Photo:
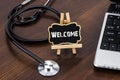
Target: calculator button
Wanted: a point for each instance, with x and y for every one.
(118, 34)
(108, 39)
(117, 28)
(116, 22)
(104, 45)
(110, 21)
(113, 47)
(111, 16)
(110, 33)
(110, 27)
(118, 17)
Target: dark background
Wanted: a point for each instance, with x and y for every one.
(14, 65)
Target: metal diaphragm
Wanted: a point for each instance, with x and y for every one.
(50, 68)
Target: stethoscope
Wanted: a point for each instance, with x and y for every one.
(45, 67)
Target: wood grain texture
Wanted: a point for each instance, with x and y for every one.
(14, 65)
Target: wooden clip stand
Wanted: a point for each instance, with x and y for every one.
(67, 45)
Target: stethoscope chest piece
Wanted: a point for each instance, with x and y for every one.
(50, 68)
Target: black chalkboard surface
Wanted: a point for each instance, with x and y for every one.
(64, 34)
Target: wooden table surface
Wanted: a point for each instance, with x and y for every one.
(15, 65)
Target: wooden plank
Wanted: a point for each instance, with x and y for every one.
(66, 46)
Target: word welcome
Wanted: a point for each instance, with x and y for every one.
(64, 34)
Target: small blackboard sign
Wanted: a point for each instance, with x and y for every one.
(64, 33)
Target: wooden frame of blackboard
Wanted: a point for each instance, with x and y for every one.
(61, 26)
